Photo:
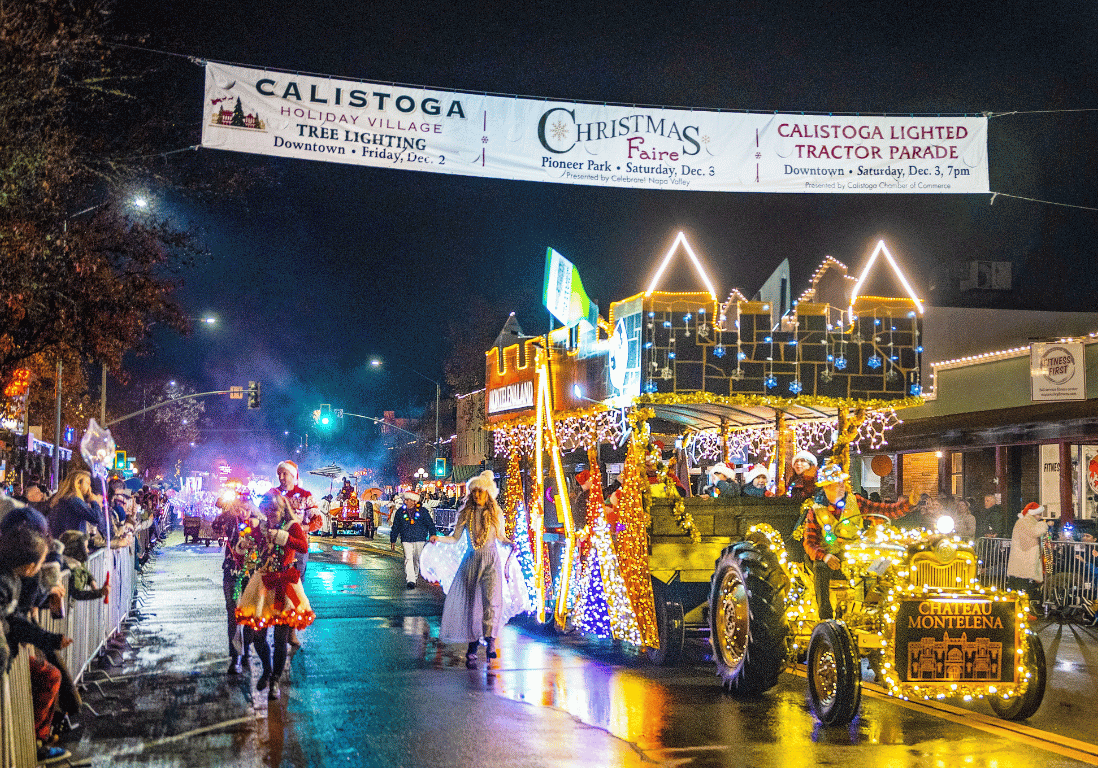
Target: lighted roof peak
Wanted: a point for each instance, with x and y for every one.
(680, 239)
(882, 248)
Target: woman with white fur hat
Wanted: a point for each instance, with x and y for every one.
(474, 602)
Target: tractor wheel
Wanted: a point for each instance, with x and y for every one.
(834, 674)
(747, 617)
(670, 625)
(1025, 705)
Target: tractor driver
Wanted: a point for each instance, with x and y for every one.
(833, 520)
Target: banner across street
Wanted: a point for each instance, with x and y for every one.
(503, 137)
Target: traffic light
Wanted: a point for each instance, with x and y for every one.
(325, 417)
(253, 394)
(440, 466)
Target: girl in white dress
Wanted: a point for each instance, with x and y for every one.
(474, 602)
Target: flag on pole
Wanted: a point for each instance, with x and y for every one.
(565, 297)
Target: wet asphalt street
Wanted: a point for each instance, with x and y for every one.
(371, 686)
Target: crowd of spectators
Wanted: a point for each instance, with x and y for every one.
(45, 544)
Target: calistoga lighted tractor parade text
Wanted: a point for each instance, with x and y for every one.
(682, 380)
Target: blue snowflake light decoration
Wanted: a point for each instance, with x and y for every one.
(874, 362)
(718, 351)
(650, 387)
(771, 381)
(916, 389)
(795, 386)
(840, 363)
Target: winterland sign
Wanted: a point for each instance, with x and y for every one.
(388, 126)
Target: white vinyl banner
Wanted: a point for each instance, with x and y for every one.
(502, 137)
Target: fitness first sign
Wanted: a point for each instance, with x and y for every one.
(1057, 371)
(382, 125)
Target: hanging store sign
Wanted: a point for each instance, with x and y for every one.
(382, 125)
(511, 397)
(1057, 371)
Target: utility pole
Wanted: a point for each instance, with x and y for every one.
(57, 433)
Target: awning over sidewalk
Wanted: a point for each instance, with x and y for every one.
(465, 472)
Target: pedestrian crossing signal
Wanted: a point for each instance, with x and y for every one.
(253, 394)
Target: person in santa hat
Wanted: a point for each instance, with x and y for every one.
(303, 505)
(722, 481)
(414, 526)
(755, 481)
(1025, 569)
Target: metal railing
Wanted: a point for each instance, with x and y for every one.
(1071, 589)
(90, 624)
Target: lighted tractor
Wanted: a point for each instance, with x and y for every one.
(909, 602)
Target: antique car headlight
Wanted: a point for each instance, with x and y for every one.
(944, 524)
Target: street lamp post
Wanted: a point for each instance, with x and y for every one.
(377, 363)
(301, 441)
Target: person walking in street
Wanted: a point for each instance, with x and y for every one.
(1025, 569)
(274, 597)
(414, 526)
(306, 509)
(236, 569)
(474, 602)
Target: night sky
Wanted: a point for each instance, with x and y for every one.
(327, 265)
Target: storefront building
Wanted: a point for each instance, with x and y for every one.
(1021, 423)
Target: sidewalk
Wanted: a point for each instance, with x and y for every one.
(171, 684)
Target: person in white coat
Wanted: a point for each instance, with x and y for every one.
(1025, 569)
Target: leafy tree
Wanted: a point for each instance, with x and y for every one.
(78, 270)
(160, 436)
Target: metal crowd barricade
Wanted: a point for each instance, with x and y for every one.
(993, 555)
(445, 519)
(90, 624)
(1070, 590)
(17, 740)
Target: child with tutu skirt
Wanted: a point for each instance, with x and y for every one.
(274, 596)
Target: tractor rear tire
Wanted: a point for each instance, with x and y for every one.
(671, 626)
(747, 622)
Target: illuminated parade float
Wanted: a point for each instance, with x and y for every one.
(672, 383)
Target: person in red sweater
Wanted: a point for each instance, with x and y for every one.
(274, 597)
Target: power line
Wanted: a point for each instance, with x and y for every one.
(1037, 200)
